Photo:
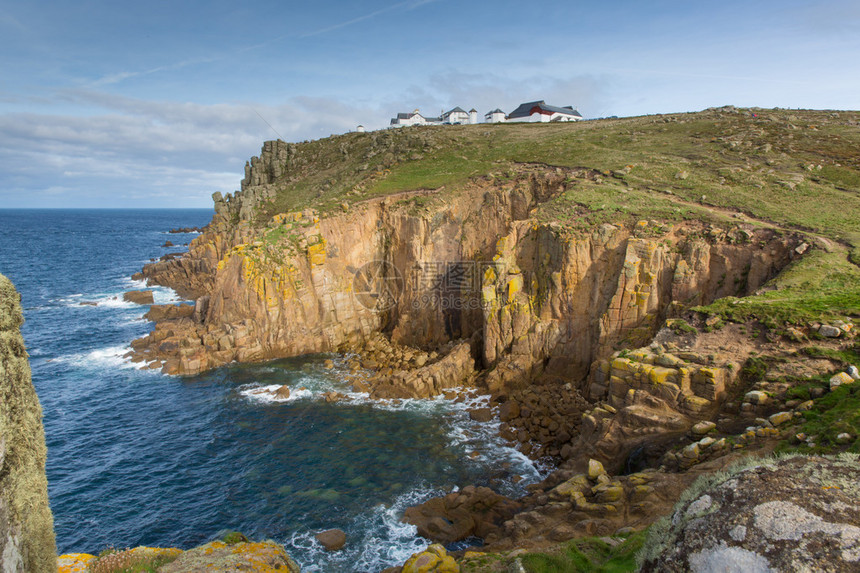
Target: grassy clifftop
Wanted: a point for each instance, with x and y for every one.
(797, 168)
(788, 169)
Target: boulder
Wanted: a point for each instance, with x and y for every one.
(509, 410)
(138, 296)
(332, 539)
(473, 511)
(703, 428)
(434, 559)
(756, 397)
(828, 331)
(793, 514)
(481, 414)
(780, 418)
(283, 393)
(840, 379)
(595, 469)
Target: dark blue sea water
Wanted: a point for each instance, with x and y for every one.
(139, 458)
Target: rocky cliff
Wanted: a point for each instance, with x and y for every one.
(26, 525)
(580, 275)
(544, 300)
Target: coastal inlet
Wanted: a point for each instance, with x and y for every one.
(139, 458)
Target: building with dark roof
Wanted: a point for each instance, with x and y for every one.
(539, 111)
(495, 116)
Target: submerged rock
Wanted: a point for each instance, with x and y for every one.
(332, 539)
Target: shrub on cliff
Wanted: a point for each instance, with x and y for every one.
(137, 560)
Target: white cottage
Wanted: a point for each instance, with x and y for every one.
(456, 116)
(407, 119)
(539, 111)
(414, 118)
(495, 116)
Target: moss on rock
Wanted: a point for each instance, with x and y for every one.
(26, 524)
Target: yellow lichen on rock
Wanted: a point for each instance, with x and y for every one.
(317, 253)
(220, 557)
(73, 562)
(434, 559)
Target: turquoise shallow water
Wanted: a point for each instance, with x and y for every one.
(135, 457)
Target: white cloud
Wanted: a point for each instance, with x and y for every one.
(133, 148)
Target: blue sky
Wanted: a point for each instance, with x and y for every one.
(158, 104)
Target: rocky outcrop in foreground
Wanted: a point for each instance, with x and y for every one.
(795, 514)
(214, 557)
(26, 524)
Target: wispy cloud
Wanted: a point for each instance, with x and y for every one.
(136, 147)
(9, 21)
(120, 76)
(408, 5)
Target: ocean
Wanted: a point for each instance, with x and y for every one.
(139, 458)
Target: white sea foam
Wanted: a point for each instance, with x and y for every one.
(384, 541)
(102, 357)
(160, 294)
(165, 295)
(110, 300)
(114, 301)
(136, 284)
(267, 393)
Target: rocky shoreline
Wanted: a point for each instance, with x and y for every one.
(541, 343)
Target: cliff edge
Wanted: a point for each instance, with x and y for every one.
(26, 524)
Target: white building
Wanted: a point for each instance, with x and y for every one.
(407, 119)
(495, 116)
(539, 111)
(456, 116)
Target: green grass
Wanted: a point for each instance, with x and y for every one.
(834, 413)
(844, 357)
(234, 537)
(820, 286)
(656, 149)
(587, 555)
